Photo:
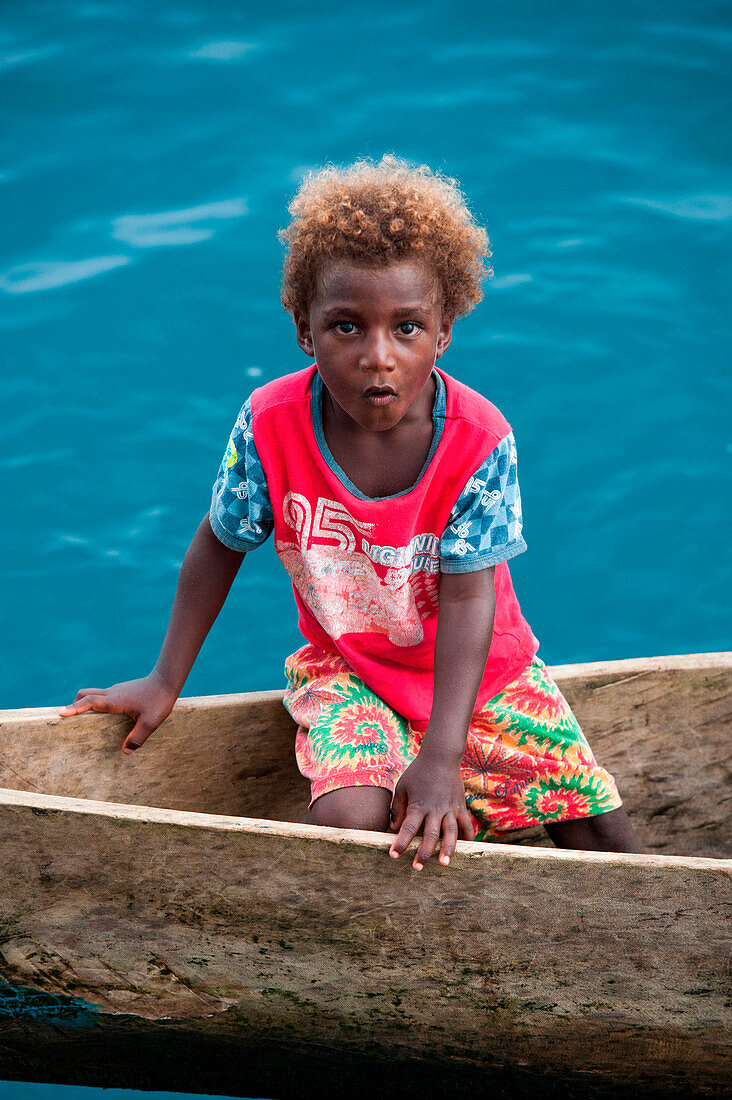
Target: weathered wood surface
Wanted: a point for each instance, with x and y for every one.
(163, 948)
(230, 754)
(661, 725)
(283, 939)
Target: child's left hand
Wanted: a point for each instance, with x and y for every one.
(429, 791)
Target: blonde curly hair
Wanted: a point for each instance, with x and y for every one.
(379, 212)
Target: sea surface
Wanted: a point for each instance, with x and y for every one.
(147, 155)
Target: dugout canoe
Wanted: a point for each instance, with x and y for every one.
(166, 922)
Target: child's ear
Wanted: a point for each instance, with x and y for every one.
(304, 333)
(444, 337)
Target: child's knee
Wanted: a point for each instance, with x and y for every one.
(353, 808)
(608, 832)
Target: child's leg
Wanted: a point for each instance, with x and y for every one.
(349, 743)
(610, 832)
(527, 763)
(352, 808)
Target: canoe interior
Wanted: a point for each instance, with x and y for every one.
(661, 726)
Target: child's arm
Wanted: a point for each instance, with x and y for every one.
(431, 789)
(206, 575)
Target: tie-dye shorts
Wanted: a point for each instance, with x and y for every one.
(526, 759)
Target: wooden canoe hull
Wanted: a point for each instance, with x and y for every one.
(165, 948)
(513, 957)
(660, 725)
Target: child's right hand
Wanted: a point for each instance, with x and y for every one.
(148, 701)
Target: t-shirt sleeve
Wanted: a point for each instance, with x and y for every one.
(241, 512)
(484, 527)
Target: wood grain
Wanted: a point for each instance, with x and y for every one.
(165, 922)
(660, 725)
(615, 963)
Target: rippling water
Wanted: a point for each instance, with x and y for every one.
(148, 154)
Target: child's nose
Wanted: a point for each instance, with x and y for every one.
(378, 354)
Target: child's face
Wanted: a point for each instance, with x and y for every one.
(375, 326)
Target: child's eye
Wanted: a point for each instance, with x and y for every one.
(346, 327)
(412, 326)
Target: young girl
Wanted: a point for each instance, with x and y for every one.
(392, 492)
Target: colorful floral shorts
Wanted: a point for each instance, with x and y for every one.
(526, 759)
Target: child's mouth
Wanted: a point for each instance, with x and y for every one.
(379, 399)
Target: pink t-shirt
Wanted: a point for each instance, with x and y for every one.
(366, 572)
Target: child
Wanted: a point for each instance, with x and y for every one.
(392, 492)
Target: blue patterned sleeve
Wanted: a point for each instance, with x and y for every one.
(241, 512)
(484, 527)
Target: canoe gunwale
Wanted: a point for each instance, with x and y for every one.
(325, 835)
(624, 668)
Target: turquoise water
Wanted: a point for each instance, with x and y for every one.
(15, 1090)
(148, 154)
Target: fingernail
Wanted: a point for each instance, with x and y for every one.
(394, 855)
(445, 860)
(417, 866)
